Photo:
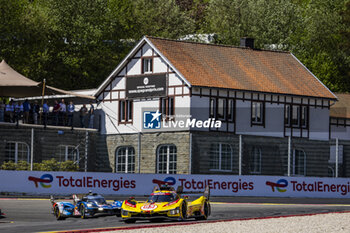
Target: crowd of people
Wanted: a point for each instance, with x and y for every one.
(62, 114)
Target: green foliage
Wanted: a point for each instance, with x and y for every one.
(47, 165)
(50, 165)
(162, 18)
(9, 165)
(22, 165)
(76, 44)
(69, 166)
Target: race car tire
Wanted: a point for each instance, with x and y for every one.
(206, 212)
(183, 211)
(58, 214)
(130, 220)
(82, 211)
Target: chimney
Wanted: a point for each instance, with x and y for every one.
(247, 42)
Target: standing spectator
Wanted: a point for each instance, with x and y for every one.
(2, 110)
(83, 113)
(56, 111)
(46, 110)
(63, 112)
(18, 111)
(36, 109)
(70, 110)
(10, 111)
(26, 109)
(91, 115)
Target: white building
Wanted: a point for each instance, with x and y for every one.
(260, 94)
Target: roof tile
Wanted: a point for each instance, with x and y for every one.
(241, 68)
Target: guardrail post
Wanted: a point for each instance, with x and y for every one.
(32, 150)
(289, 153)
(190, 156)
(240, 155)
(336, 157)
(86, 150)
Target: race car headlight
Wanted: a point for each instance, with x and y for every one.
(89, 205)
(100, 209)
(174, 211)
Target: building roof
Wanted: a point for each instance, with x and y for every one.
(239, 68)
(341, 109)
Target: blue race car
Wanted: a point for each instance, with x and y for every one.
(85, 206)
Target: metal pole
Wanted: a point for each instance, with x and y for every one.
(190, 156)
(336, 156)
(240, 155)
(86, 150)
(32, 150)
(289, 153)
(139, 152)
(42, 100)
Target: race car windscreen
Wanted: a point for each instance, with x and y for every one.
(98, 201)
(162, 198)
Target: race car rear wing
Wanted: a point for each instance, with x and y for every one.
(206, 192)
(75, 197)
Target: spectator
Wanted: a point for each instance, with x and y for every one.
(18, 111)
(91, 115)
(56, 111)
(36, 109)
(10, 111)
(46, 110)
(83, 113)
(2, 110)
(63, 112)
(26, 109)
(70, 110)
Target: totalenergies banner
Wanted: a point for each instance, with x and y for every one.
(41, 182)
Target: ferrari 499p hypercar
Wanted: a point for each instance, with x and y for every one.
(166, 203)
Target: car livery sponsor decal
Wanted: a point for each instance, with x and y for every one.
(148, 207)
(43, 180)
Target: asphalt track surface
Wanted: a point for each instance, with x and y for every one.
(34, 215)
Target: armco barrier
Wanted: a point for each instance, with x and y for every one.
(41, 182)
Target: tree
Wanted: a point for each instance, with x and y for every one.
(269, 22)
(318, 44)
(162, 18)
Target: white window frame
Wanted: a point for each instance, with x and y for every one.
(147, 65)
(127, 155)
(255, 160)
(125, 111)
(219, 157)
(66, 152)
(257, 109)
(295, 166)
(16, 150)
(168, 171)
(298, 113)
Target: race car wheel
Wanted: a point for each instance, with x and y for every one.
(58, 214)
(82, 211)
(130, 220)
(183, 211)
(206, 212)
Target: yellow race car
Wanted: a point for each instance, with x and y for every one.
(166, 203)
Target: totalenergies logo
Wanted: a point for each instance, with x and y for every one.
(168, 181)
(279, 185)
(43, 180)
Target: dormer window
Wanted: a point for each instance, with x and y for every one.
(147, 65)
